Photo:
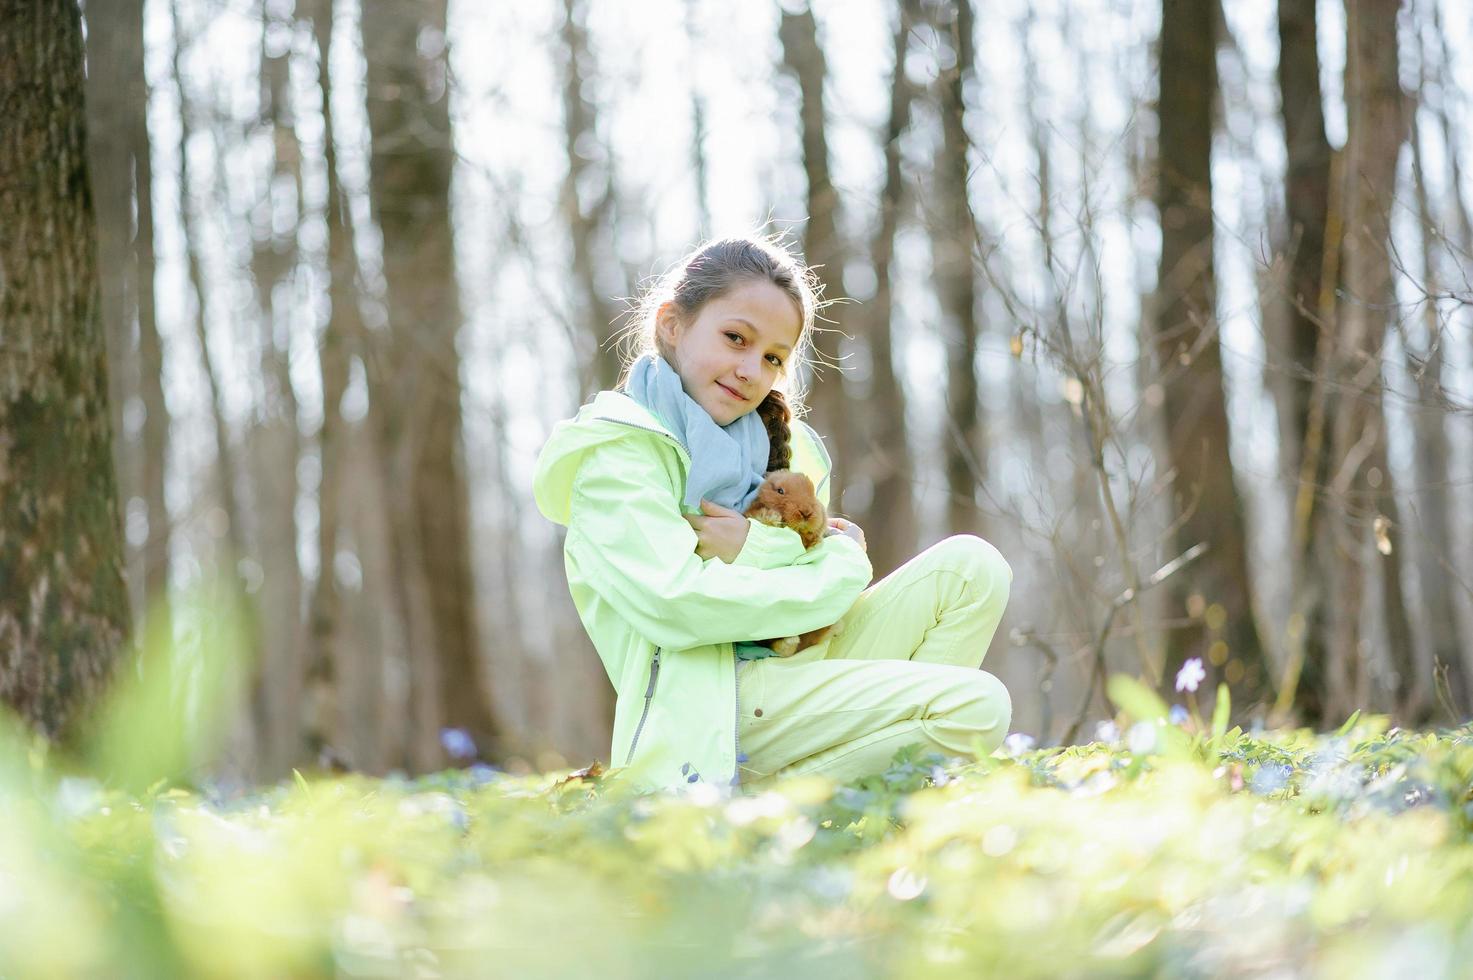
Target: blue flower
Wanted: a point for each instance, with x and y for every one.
(483, 774)
(1178, 715)
(458, 743)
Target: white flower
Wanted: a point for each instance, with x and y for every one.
(1017, 743)
(1141, 738)
(1190, 675)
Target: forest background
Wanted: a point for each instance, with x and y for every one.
(1117, 281)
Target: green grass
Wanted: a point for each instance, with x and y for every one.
(1199, 853)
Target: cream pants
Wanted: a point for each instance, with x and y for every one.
(903, 671)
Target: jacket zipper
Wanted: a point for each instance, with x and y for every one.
(736, 724)
(649, 694)
(645, 428)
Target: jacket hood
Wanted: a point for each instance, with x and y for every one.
(612, 415)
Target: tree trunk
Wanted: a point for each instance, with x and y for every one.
(889, 520)
(275, 443)
(698, 128)
(952, 242)
(803, 58)
(63, 604)
(1434, 503)
(1311, 308)
(420, 413)
(1215, 591)
(322, 720)
(586, 223)
(226, 466)
(1361, 513)
(122, 184)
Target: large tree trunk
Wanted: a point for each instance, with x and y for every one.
(803, 58)
(420, 407)
(122, 177)
(889, 519)
(63, 605)
(1311, 308)
(1215, 592)
(952, 240)
(1362, 516)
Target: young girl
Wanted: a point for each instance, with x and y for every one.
(669, 578)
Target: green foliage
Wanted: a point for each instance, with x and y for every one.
(1167, 849)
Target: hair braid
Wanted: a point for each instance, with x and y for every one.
(776, 416)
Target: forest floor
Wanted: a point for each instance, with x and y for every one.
(1165, 847)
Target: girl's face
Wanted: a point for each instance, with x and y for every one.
(735, 349)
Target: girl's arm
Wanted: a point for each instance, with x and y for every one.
(637, 552)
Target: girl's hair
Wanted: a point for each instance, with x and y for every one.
(708, 272)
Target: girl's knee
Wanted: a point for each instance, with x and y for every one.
(981, 709)
(979, 561)
(995, 706)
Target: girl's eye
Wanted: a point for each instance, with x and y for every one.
(735, 338)
(774, 360)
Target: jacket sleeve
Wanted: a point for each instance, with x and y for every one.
(769, 547)
(634, 549)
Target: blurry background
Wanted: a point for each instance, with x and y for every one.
(1116, 283)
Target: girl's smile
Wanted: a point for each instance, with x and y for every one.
(735, 350)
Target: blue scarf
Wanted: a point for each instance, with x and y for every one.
(726, 462)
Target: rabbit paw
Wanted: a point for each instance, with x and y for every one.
(785, 647)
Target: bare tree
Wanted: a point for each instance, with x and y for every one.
(122, 184)
(885, 459)
(275, 444)
(823, 250)
(327, 668)
(1361, 509)
(698, 133)
(64, 608)
(587, 222)
(418, 406)
(225, 492)
(1216, 595)
(1432, 506)
(1312, 274)
(953, 235)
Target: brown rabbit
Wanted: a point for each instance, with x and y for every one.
(788, 499)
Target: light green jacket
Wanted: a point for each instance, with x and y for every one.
(662, 619)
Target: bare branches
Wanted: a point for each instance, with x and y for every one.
(1126, 598)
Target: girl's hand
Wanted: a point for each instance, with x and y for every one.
(720, 531)
(849, 529)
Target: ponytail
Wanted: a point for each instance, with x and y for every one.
(775, 416)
